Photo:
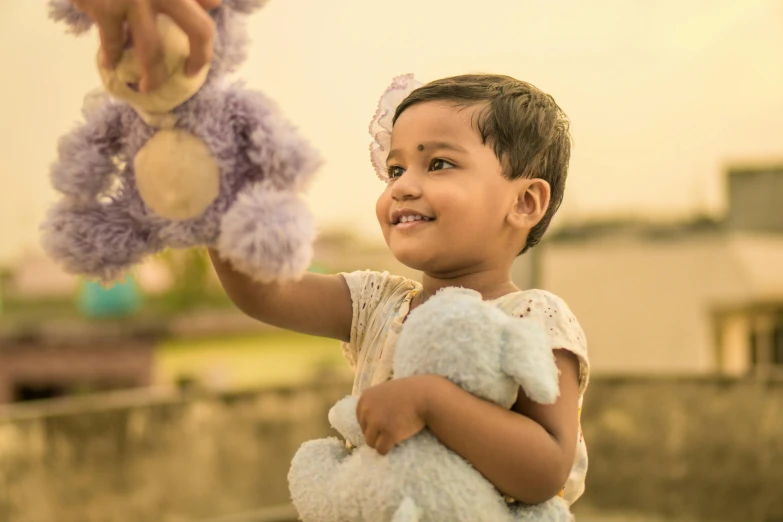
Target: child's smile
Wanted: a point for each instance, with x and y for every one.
(407, 218)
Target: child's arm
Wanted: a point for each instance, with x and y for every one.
(527, 453)
(316, 305)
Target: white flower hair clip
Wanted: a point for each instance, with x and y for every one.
(381, 124)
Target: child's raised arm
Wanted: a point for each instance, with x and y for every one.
(316, 304)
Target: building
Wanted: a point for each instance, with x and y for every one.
(695, 297)
(58, 359)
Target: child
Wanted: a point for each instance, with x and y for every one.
(476, 169)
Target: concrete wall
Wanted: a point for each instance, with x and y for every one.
(708, 449)
(129, 457)
(704, 448)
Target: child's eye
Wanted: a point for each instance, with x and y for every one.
(440, 164)
(394, 172)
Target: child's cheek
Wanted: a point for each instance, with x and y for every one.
(383, 211)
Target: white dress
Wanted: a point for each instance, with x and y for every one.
(381, 302)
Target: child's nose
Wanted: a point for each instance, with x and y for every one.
(407, 186)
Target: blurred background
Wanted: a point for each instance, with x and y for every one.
(157, 400)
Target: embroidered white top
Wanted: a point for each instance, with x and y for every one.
(382, 301)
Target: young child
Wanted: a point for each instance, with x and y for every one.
(476, 169)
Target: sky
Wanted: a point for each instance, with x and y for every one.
(662, 96)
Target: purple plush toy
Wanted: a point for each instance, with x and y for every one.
(193, 163)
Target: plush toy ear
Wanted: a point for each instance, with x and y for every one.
(528, 359)
(63, 11)
(244, 6)
(342, 417)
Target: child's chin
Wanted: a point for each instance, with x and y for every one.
(412, 258)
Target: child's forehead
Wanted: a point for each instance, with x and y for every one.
(436, 120)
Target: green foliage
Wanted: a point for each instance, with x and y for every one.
(191, 281)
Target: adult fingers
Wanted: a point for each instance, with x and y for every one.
(146, 40)
(197, 24)
(111, 30)
(209, 4)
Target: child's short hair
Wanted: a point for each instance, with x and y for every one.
(526, 128)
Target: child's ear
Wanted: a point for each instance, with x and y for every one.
(64, 11)
(531, 203)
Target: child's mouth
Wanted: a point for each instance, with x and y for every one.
(406, 224)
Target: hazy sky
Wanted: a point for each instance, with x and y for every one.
(662, 95)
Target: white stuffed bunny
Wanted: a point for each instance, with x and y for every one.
(481, 349)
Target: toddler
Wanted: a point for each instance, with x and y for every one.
(474, 168)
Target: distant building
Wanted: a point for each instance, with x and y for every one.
(39, 277)
(53, 360)
(756, 199)
(695, 297)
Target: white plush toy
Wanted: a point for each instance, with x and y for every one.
(481, 349)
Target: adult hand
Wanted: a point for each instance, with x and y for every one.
(120, 20)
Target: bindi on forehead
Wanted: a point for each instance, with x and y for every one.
(438, 145)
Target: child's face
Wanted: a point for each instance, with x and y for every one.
(440, 170)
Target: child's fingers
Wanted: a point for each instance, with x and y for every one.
(371, 437)
(383, 444)
(146, 40)
(197, 24)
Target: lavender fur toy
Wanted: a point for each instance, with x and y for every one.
(194, 163)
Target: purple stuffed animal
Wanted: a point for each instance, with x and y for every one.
(194, 163)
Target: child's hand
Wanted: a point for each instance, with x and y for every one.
(111, 17)
(394, 411)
